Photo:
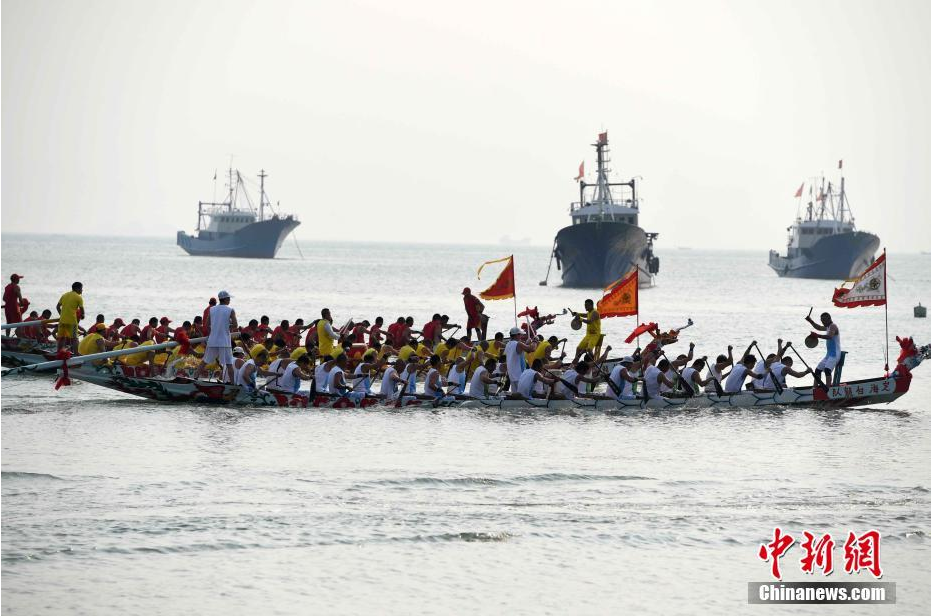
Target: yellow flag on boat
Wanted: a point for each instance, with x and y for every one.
(621, 297)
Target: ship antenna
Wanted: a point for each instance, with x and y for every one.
(230, 203)
(262, 176)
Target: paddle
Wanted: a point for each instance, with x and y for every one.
(689, 390)
(818, 380)
(29, 323)
(769, 370)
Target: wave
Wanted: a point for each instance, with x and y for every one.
(8, 475)
(491, 481)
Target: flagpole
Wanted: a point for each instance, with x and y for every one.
(886, 305)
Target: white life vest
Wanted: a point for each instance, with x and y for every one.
(362, 383)
(514, 360)
(476, 385)
(455, 377)
(331, 380)
(735, 380)
(760, 368)
(432, 390)
(241, 379)
(219, 326)
(572, 377)
(688, 375)
(777, 369)
(716, 376)
(526, 383)
(288, 381)
(388, 385)
(322, 378)
(650, 376)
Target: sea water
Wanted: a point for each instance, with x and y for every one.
(117, 505)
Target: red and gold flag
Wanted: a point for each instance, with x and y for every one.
(868, 289)
(503, 287)
(621, 297)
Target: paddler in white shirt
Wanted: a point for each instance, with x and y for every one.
(391, 379)
(336, 380)
(482, 379)
(292, 375)
(514, 357)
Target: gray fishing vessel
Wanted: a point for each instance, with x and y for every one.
(604, 241)
(825, 243)
(229, 229)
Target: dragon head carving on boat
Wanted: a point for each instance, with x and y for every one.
(911, 355)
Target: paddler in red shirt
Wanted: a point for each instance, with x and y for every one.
(114, 330)
(260, 336)
(375, 333)
(148, 332)
(31, 332)
(13, 300)
(131, 330)
(206, 316)
(475, 312)
(359, 330)
(162, 331)
(282, 332)
(294, 333)
(394, 333)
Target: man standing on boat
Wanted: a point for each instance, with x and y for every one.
(221, 320)
(475, 314)
(71, 310)
(13, 300)
(831, 337)
(326, 337)
(592, 337)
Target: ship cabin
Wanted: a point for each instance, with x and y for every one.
(223, 221)
(806, 233)
(607, 205)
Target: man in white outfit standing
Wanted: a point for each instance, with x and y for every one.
(221, 319)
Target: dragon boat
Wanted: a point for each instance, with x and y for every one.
(16, 352)
(862, 392)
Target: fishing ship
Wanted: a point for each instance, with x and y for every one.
(604, 241)
(229, 229)
(825, 243)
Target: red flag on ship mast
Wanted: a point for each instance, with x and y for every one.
(581, 171)
(603, 137)
(798, 193)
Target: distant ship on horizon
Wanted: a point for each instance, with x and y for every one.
(604, 241)
(228, 230)
(825, 243)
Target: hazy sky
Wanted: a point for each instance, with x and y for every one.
(465, 122)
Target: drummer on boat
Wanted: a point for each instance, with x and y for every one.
(831, 337)
(592, 321)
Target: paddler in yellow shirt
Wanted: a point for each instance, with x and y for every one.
(94, 342)
(592, 338)
(71, 310)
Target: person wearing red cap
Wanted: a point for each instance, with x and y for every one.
(476, 319)
(13, 300)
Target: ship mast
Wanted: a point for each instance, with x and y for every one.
(262, 176)
(602, 186)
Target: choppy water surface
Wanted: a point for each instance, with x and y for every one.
(118, 505)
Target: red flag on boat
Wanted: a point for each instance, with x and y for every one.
(621, 297)
(640, 330)
(503, 287)
(798, 193)
(603, 137)
(867, 289)
(581, 171)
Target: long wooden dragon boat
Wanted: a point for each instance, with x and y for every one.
(863, 392)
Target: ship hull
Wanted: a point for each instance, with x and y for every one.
(834, 257)
(593, 255)
(259, 240)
